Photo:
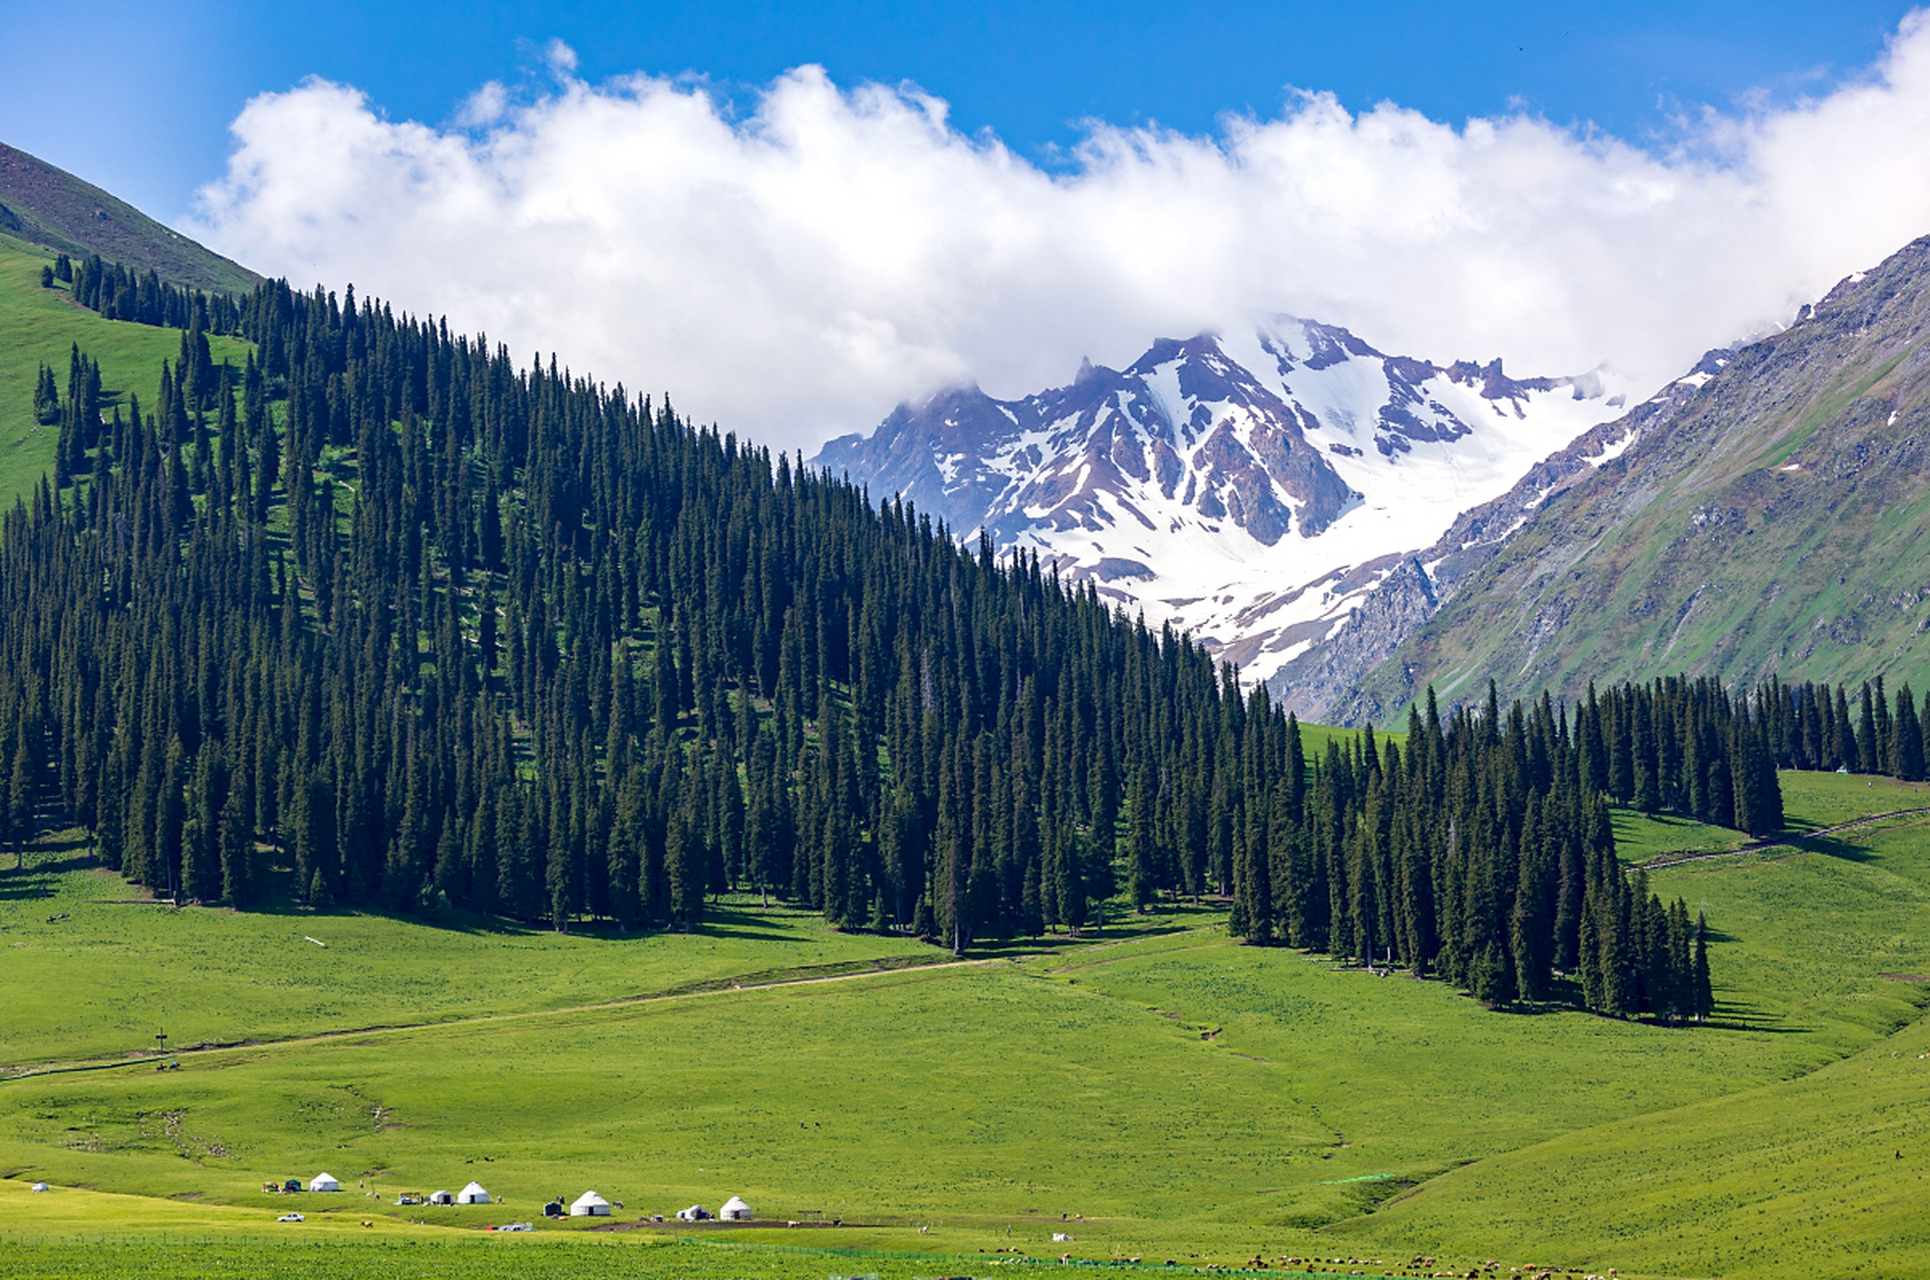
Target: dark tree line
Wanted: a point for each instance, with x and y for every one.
(1484, 854)
(427, 627)
(1817, 726)
(120, 293)
(435, 628)
(1686, 747)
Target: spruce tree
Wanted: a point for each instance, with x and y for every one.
(1703, 1001)
(237, 842)
(1907, 750)
(1140, 847)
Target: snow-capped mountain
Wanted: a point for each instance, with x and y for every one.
(1250, 488)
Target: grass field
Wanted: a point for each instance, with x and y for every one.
(1639, 838)
(1826, 1173)
(40, 326)
(1315, 737)
(1171, 1093)
(99, 981)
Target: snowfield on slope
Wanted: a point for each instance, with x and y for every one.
(1248, 488)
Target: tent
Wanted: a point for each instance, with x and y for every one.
(735, 1210)
(695, 1213)
(324, 1182)
(590, 1205)
(472, 1194)
(441, 1197)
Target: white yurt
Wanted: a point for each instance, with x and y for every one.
(695, 1213)
(590, 1205)
(324, 1182)
(441, 1197)
(472, 1194)
(735, 1210)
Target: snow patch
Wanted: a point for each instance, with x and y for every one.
(1068, 491)
(1613, 450)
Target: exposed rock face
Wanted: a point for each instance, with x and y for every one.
(1250, 488)
(1315, 684)
(1764, 517)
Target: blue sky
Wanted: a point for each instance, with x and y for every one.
(137, 97)
(657, 194)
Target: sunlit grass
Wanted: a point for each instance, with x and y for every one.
(41, 326)
(1170, 1092)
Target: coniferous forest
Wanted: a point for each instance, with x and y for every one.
(434, 630)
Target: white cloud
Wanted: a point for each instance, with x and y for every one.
(793, 274)
(559, 57)
(484, 107)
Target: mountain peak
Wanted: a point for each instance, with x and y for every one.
(1245, 485)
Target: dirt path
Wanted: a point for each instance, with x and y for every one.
(716, 987)
(1757, 846)
(1185, 936)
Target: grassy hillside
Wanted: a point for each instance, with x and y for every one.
(212, 976)
(1826, 1174)
(1157, 1092)
(1171, 1092)
(41, 326)
(1776, 525)
(51, 207)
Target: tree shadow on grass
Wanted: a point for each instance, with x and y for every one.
(45, 863)
(1050, 944)
(735, 932)
(1727, 1017)
(1832, 847)
(1736, 1016)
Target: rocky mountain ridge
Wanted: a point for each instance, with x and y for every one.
(1322, 677)
(1250, 487)
(1777, 522)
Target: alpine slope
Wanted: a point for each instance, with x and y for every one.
(1249, 488)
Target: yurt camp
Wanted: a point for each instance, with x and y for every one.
(472, 1194)
(590, 1205)
(441, 1197)
(735, 1210)
(324, 1182)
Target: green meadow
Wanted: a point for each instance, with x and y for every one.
(111, 969)
(1826, 1172)
(1158, 1092)
(40, 326)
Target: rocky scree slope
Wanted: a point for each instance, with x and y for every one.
(1319, 679)
(1775, 523)
(1251, 487)
(48, 206)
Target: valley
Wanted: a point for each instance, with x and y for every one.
(1314, 1109)
(429, 769)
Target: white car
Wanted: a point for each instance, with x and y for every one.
(291, 1217)
(515, 1226)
